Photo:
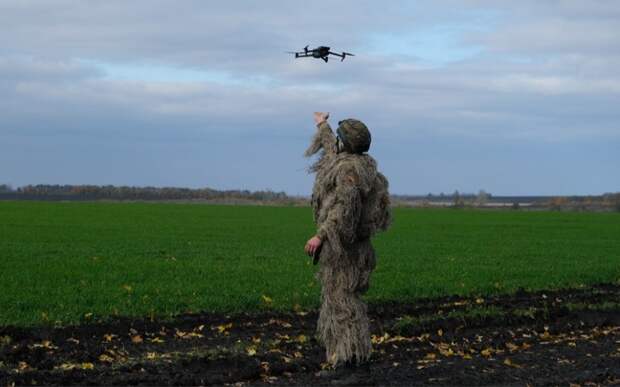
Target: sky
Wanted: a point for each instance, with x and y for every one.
(514, 98)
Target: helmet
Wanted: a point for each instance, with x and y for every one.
(354, 135)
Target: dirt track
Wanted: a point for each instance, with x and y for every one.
(559, 337)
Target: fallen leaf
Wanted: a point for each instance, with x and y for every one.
(268, 300)
(109, 337)
(45, 344)
(509, 363)
(105, 358)
(187, 335)
(512, 347)
(446, 352)
(156, 340)
(486, 352)
(137, 339)
(224, 328)
(302, 339)
(88, 366)
(67, 366)
(251, 350)
(479, 300)
(151, 355)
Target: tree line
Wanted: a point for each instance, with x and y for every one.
(111, 192)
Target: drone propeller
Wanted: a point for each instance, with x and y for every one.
(344, 55)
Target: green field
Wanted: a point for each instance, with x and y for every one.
(74, 262)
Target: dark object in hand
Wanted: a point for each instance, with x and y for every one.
(317, 254)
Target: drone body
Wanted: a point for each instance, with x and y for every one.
(321, 52)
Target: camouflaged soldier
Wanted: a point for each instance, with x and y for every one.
(351, 204)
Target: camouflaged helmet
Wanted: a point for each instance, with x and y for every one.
(354, 135)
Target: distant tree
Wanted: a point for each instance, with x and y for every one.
(558, 202)
(5, 188)
(616, 201)
(457, 200)
(516, 206)
(482, 198)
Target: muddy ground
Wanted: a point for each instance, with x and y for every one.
(541, 338)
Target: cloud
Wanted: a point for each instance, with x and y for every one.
(132, 73)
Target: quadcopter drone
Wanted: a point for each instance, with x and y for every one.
(319, 52)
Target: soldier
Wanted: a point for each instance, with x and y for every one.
(351, 204)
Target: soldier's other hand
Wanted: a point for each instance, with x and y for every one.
(312, 245)
(320, 117)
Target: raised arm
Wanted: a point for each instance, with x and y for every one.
(324, 137)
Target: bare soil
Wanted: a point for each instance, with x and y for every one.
(541, 338)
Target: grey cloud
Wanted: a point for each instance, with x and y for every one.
(537, 79)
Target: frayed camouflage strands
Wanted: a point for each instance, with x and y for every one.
(351, 204)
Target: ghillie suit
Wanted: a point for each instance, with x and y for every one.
(351, 203)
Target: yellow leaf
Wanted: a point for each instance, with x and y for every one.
(251, 350)
(298, 355)
(224, 328)
(440, 332)
(509, 363)
(268, 300)
(512, 347)
(22, 365)
(151, 355)
(467, 356)
(44, 344)
(446, 352)
(156, 340)
(430, 356)
(479, 300)
(486, 352)
(302, 339)
(67, 366)
(109, 337)
(127, 288)
(104, 358)
(525, 346)
(88, 366)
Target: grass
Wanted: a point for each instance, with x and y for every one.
(74, 262)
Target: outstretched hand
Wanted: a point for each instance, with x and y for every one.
(312, 245)
(320, 117)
